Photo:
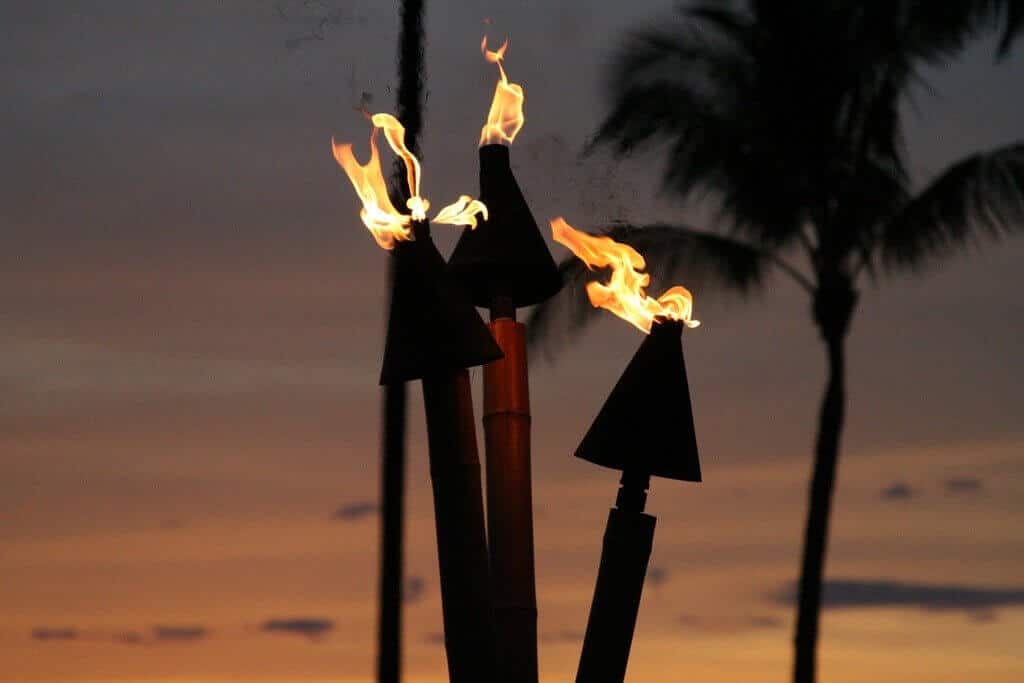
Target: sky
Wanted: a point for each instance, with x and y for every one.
(192, 318)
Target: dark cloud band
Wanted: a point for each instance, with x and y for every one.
(308, 627)
(876, 593)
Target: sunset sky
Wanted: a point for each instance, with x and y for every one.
(192, 318)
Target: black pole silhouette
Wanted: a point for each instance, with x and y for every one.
(392, 502)
(434, 334)
(505, 264)
(392, 499)
(644, 429)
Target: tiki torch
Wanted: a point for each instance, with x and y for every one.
(653, 391)
(506, 265)
(434, 334)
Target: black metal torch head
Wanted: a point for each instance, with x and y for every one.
(646, 425)
(505, 256)
(433, 327)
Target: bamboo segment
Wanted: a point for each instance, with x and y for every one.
(461, 538)
(510, 503)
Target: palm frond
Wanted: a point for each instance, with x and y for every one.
(704, 262)
(724, 21)
(980, 197)
(938, 31)
(1014, 26)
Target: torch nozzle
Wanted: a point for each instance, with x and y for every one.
(632, 494)
(502, 307)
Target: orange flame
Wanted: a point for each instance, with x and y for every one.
(506, 115)
(462, 211)
(624, 293)
(378, 213)
(394, 133)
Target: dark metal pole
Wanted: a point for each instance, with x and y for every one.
(628, 539)
(389, 622)
(461, 537)
(389, 617)
(509, 497)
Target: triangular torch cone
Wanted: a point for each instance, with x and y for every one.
(644, 428)
(432, 325)
(505, 264)
(434, 334)
(646, 423)
(506, 256)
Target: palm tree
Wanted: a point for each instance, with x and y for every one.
(787, 114)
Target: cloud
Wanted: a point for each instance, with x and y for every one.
(563, 636)
(46, 633)
(414, 589)
(129, 638)
(657, 575)
(433, 638)
(157, 634)
(310, 627)
(727, 624)
(963, 485)
(356, 511)
(875, 593)
(180, 633)
(897, 490)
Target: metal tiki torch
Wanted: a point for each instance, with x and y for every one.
(434, 334)
(644, 429)
(505, 265)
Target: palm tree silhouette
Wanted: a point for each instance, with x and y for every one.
(787, 114)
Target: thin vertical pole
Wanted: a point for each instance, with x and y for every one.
(389, 621)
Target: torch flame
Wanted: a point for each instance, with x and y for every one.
(506, 115)
(624, 293)
(394, 133)
(378, 213)
(462, 212)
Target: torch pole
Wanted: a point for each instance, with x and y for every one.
(461, 537)
(509, 498)
(628, 538)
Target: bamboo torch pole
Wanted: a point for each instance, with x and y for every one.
(505, 264)
(461, 536)
(509, 496)
(434, 334)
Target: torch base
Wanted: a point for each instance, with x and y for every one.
(628, 539)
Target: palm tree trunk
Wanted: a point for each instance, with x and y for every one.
(389, 620)
(833, 308)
